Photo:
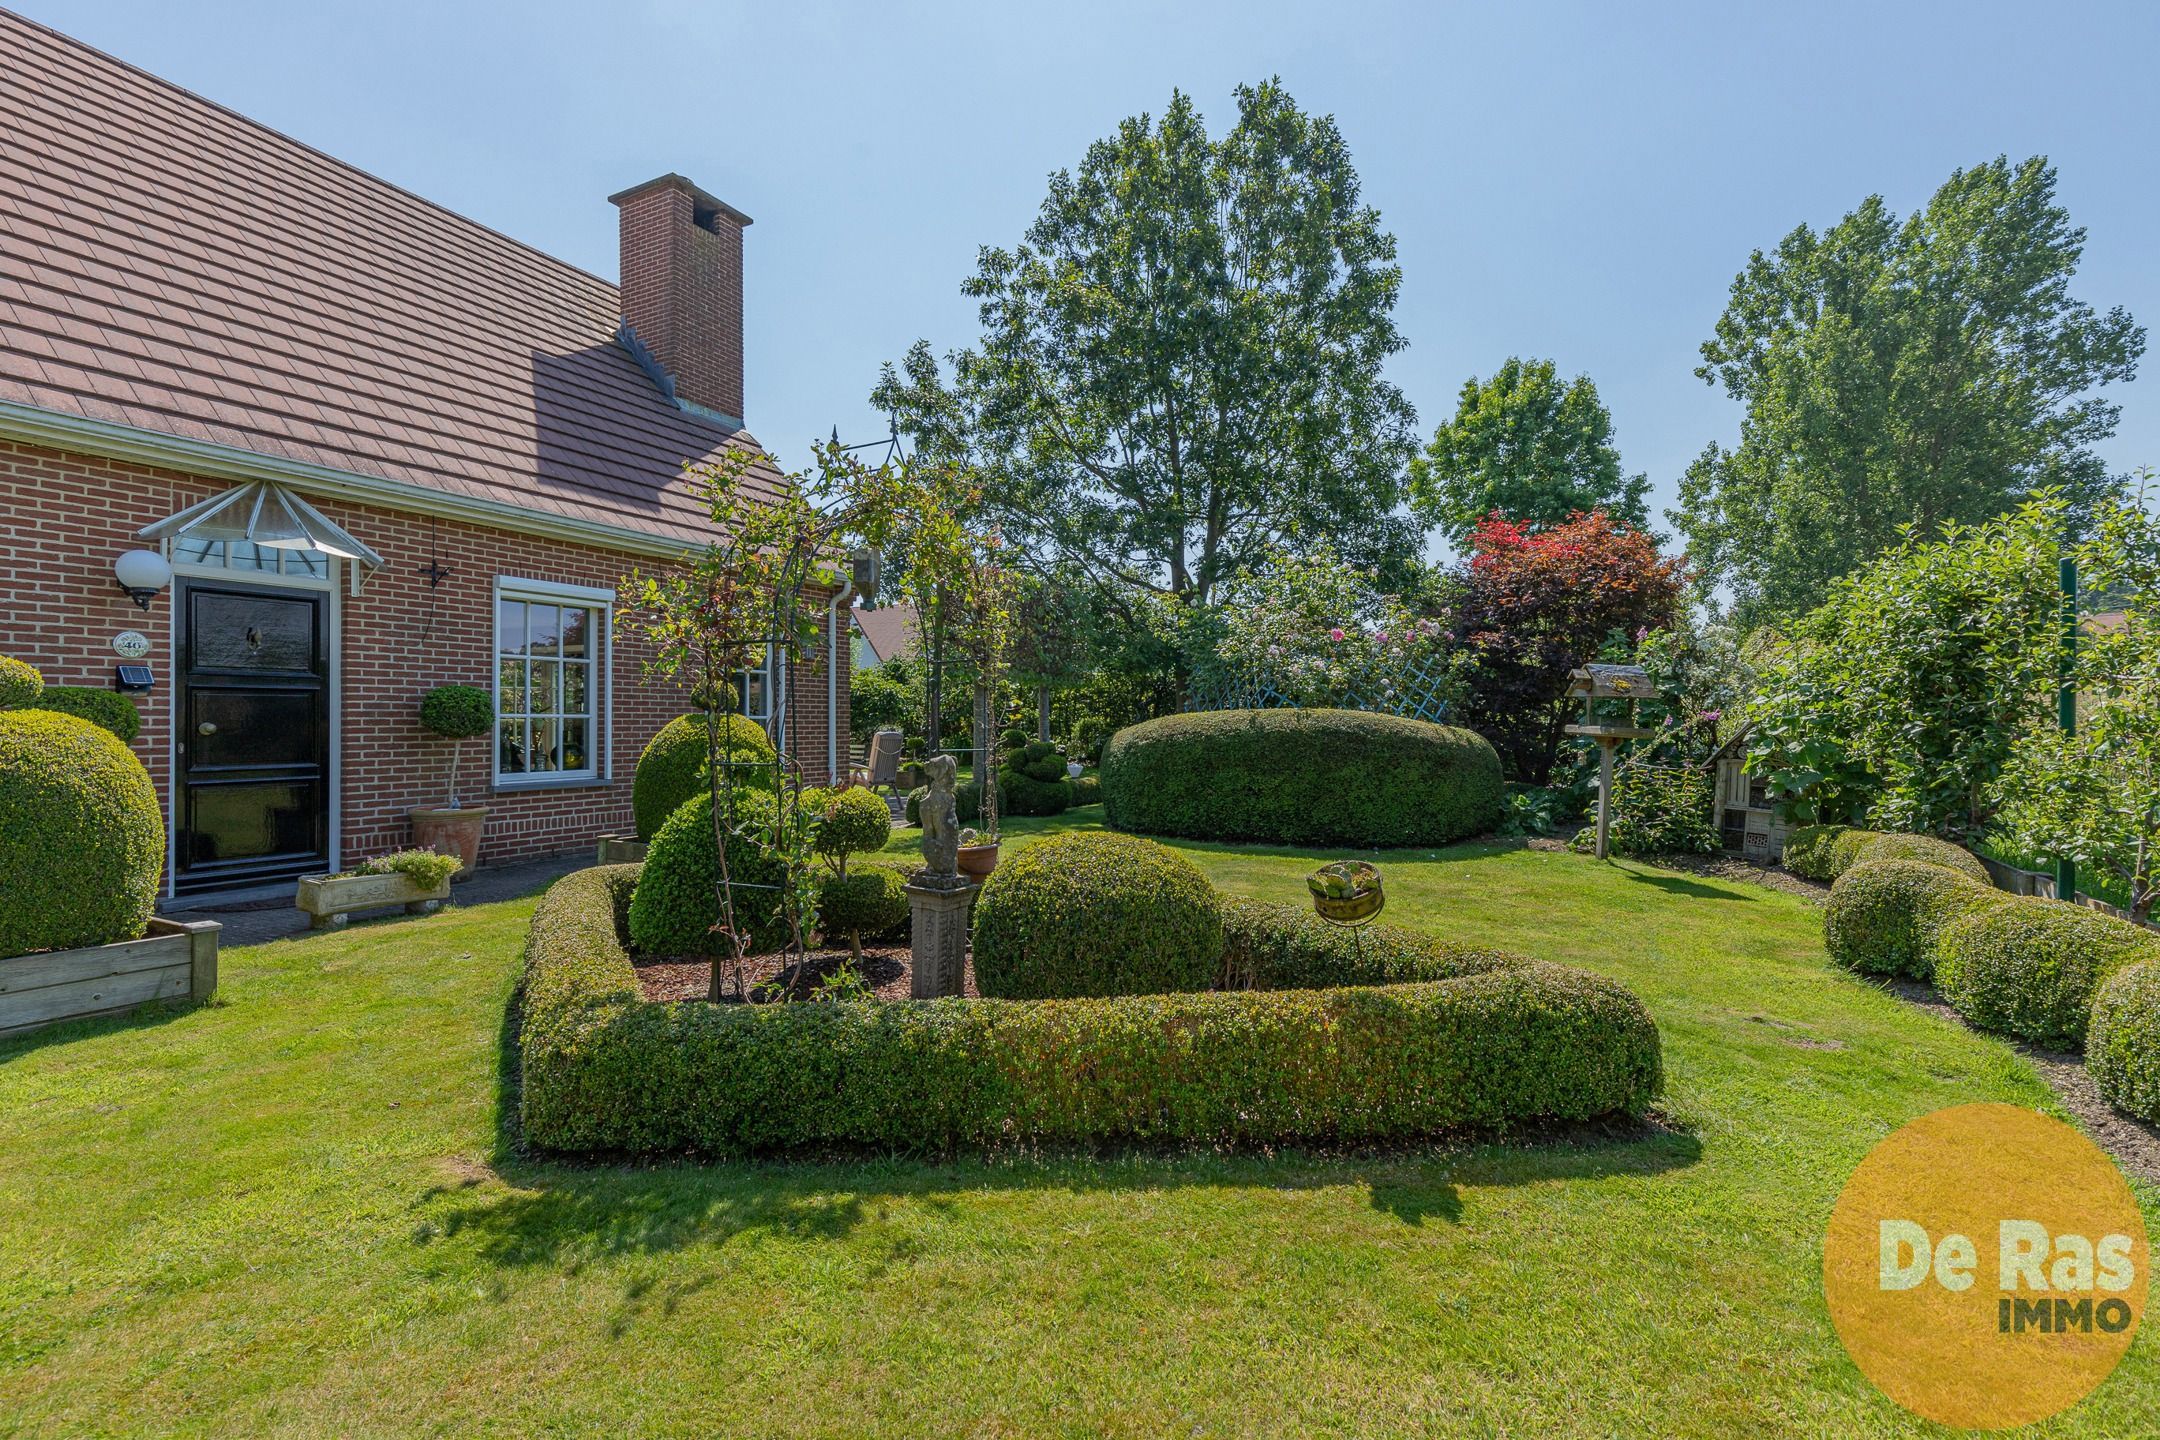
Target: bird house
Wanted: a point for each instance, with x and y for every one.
(1592, 683)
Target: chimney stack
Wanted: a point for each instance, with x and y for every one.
(682, 293)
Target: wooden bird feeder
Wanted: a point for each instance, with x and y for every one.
(1609, 682)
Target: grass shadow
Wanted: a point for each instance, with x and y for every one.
(145, 1016)
(1681, 885)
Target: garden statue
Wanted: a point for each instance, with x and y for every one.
(940, 821)
(940, 898)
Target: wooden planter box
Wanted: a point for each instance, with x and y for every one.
(620, 850)
(329, 900)
(175, 961)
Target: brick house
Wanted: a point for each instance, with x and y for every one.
(379, 447)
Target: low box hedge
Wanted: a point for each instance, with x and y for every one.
(1824, 852)
(1301, 777)
(2122, 1047)
(1884, 915)
(2030, 967)
(1273, 946)
(604, 1071)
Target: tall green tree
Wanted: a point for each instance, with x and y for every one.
(1180, 365)
(1529, 446)
(1901, 373)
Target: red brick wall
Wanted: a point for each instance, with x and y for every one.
(682, 292)
(64, 517)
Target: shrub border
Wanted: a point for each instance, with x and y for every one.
(606, 1071)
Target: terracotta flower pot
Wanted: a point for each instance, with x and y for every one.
(451, 832)
(978, 860)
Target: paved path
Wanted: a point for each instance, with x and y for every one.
(251, 926)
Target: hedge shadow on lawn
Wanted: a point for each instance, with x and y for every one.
(554, 1207)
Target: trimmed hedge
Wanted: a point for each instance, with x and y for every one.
(1301, 777)
(82, 836)
(2122, 1049)
(603, 1071)
(1824, 852)
(20, 684)
(106, 709)
(672, 769)
(1271, 946)
(2030, 967)
(1087, 790)
(1091, 914)
(677, 904)
(1884, 915)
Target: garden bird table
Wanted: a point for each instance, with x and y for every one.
(1594, 683)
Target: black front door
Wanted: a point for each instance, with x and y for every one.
(254, 735)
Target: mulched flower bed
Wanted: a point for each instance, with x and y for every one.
(885, 967)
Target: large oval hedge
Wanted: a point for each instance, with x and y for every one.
(1301, 777)
(1884, 915)
(605, 1071)
(82, 838)
(2122, 1048)
(2030, 967)
(673, 767)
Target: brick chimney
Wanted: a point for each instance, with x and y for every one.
(682, 293)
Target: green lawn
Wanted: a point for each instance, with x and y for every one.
(294, 1212)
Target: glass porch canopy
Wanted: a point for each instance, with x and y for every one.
(269, 516)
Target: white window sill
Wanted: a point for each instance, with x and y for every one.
(506, 784)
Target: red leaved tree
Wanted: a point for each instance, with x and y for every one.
(1536, 604)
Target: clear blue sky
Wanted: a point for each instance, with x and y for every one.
(1575, 181)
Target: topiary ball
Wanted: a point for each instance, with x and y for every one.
(1888, 846)
(82, 840)
(676, 902)
(673, 767)
(1021, 795)
(2029, 967)
(852, 821)
(1096, 914)
(20, 684)
(2122, 1047)
(1884, 915)
(457, 712)
(868, 902)
(1810, 851)
(106, 709)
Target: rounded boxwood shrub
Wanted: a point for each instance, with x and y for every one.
(2122, 1047)
(1301, 777)
(82, 839)
(1024, 795)
(20, 684)
(1087, 790)
(849, 822)
(107, 709)
(676, 905)
(1095, 914)
(1884, 915)
(2029, 967)
(672, 769)
(868, 903)
(457, 712)
(603, 1071)
(1273, 946)
(1824, 852)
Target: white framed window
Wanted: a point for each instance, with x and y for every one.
(246, 558)
(754, 691)
(553, 653)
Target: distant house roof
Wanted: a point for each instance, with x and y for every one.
(2106, 622)
(890, 632)
(168, 265)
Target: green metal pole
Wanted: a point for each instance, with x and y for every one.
(2066, 704)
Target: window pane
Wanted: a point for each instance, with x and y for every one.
(307, 562)
(510, 747)
(187, 550)
(544, 630)
(546, 682)
(510, 688)
(545, 754)
(510, 620)
(576, 694)
(247, 555)
(756, 694)
(573, 746)
(576, 628)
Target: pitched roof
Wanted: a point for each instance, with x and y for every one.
(169, 265)
(890, 631)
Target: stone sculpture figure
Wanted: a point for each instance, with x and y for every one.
(940, 819)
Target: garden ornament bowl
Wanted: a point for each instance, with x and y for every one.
(1346, 892)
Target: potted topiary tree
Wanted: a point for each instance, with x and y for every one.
(457, 713)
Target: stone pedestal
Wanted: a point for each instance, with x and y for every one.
(938, 906)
